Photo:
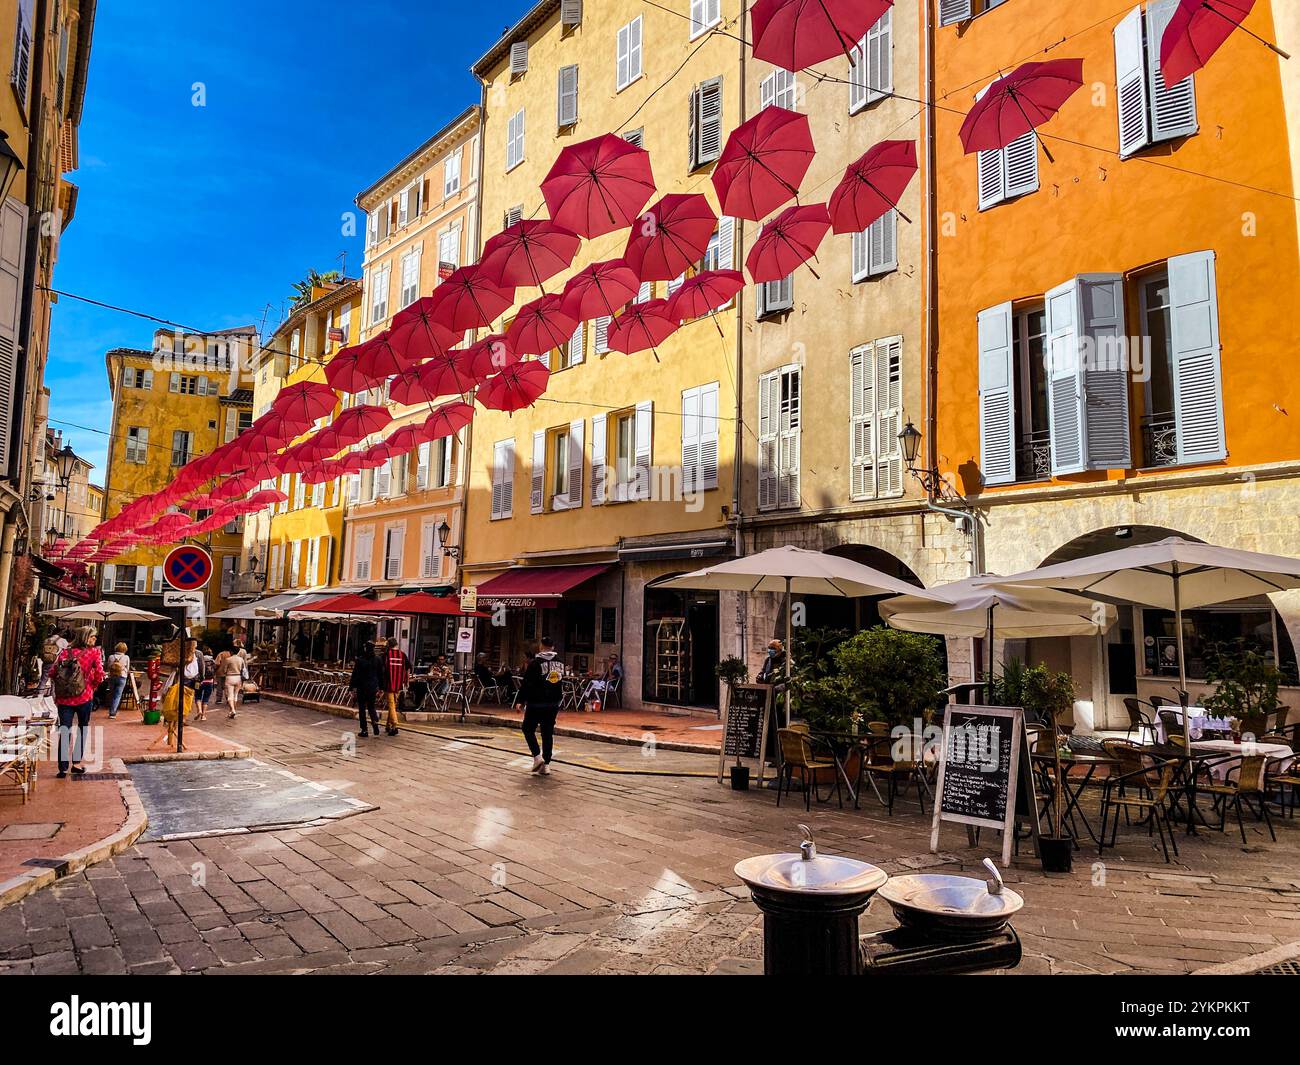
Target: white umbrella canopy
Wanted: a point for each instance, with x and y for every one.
(1017, 613)
(1173, 574)
(790, 571)
(105, 610)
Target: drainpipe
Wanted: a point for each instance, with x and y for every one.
(738, 464)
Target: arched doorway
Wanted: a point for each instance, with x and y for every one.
(680, 648)
(854, 615)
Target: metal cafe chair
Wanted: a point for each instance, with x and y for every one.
(1248, 784)
(1144, 797)
(1139, 720)
(797, 753)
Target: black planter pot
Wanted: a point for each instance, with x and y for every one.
(740, 778)
(1056, 853)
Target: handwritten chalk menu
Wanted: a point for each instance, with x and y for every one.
(744, 728)
(981, 758)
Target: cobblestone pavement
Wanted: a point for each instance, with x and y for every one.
(471, 865)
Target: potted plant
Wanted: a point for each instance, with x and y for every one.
(1046, 695)
(1246, 688)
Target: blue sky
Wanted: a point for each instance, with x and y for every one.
(207, 215)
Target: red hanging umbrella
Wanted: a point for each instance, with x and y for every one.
(371, 458)
(254, 447)
(203, 502)
(268, 497)
(302, 456)
(704, 293)
(343, 373)
(599, 290)
(872, 186)
(363, 420)
(787, 242)
(763, 163)
(326, 471)
(238, 486)
(795, 34)
(418, 334)
(1197, 30)
(301, 404)
(489, 356)
(540, 326)
(404, 439)
(670, 236)
(642, 327)
(528, 253)
(598, 186)
(516, 386)
(447, 420)
(445, 375)
(1019, 102)
(379, 358)
(468, 300)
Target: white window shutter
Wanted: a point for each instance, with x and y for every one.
(726, 243)
(577, 344)
(889, 414)
(422, 466)
(860, 258)
(600, 335)
(354, 488)
(1106, 375)
(383, 479)
(1173, 108)
(789, 437)
(518, 57)
(1198, 388)
(706, 125)
(690, 439)
(880, 58)
(599, 439)
(643, 450)
(623, 57)
(141, 580)
(448, 450)
(645, 292)
(1020, 159)
(858, 77)
(951, 11)
(570, 13)
(708, 436)
(393, 556)
(576, 459)
(428, 567)
(1065, 414)
(174, 383)
(882, 244)
(507, 478)
(566, 113)
(862, 426)
(1131, 84)
(997, 395)
(108, 576)
(992, 181)
(769, 390)
(156, 581)
(537, 489)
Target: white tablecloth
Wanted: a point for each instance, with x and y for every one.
(1279, 754)
(1199, 719)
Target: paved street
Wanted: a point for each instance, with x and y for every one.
(471, 865)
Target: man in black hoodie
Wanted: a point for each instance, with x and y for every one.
(540, 693)
(367, 680)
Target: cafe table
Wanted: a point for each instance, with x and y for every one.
(1090, 762)
(1227, 755)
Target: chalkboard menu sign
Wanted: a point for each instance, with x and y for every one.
(984, 761)
(744, 728)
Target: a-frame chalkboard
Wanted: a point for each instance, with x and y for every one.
(744, 726)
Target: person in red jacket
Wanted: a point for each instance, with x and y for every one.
(397, 670)
(84, 659)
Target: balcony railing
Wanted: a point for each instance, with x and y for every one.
(1034, 456)
(1159, 440)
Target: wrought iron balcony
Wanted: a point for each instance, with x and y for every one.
(1159, 440)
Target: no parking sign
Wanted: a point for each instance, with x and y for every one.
(187, 568)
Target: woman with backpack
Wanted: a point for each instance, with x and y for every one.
(78, 671)
(204, 694)
(119, 672)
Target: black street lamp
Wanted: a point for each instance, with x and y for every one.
(444, 533)
(10, 164)
(930, 479)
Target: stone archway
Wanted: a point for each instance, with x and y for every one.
(1112, 539)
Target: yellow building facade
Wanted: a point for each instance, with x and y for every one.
(176, 402)
(552, 549)
(403, 519)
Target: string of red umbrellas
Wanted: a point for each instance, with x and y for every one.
(595, 188)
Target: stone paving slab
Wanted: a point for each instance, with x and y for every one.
(472, 865)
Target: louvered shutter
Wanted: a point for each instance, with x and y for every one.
(383, 479)
(776, 295)
(141, 579)
(645, 292)
(393, 555)
(643, 450)
(860, 260)
(769, 386)
(1173, 108)
(707, 124)
(174, 383)
(108, 575)
(675, 284)
(862, 407)
(951, 11)
(600, 332)
(427, 536)
(537, 491)
(354, 488)
(156, 580)
(623, 57)
(448, 450)
(1106, 372)
(1020, 160)
(1065, 379)
(992, 180)
(1198, 390)
(708, 436)
(859, 77)
(13, 241)
(518, 57)
(570, 13)
(889, 416)
(726, 242)
(880, 58)
(882, 243)
(422, 465)
(576, 345)
(599, 439)
(1131, 84)
(577, 455)
(567, 102)
(690, 439)
(997, 395)
(789, 425)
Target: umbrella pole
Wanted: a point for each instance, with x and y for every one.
(1178, 635)
(988, 691)
(1019, 107)
(789, 647)
(1237, 25)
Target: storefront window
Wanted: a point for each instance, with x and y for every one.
(1252, 625)
(680, 647)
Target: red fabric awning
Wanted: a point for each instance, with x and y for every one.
(421, 604)
(537, 583)
(340, 604)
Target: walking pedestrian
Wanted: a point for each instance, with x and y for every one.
(78, 671)
(367, 679)
(397, 670)
(203, 694)
(230, 672)
(540, 693)
(119, 672)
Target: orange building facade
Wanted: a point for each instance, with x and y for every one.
(1108, 367)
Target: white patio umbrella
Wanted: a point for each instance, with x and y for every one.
(104, 611)
(968, 608)
(1173, 574)
(791, 570)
